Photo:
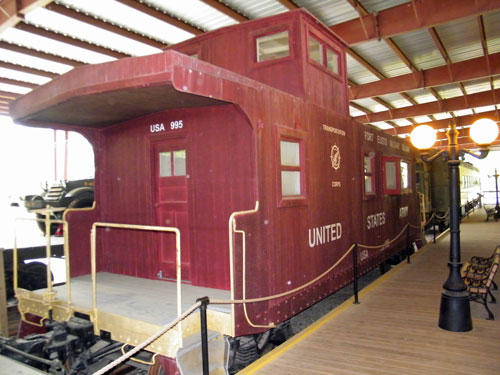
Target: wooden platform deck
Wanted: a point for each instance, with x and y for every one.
(151, 301)
(394, 330)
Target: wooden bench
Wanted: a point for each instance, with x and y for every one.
(478, 276)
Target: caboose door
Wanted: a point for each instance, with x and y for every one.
(171, 205)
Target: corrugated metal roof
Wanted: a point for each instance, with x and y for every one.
(461, 39)
(419, 47)
(40, 43)
(382, 57)
(378, 5)
(421, 96)
(256, 8)
(492, 30)
(357, 73)
(477, 85)
(83, 31)
(124, 16)
(330, 12)
(449, 91)
(371, 104)
(396, 100)
(195, 11)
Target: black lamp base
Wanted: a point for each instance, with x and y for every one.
(454, 314)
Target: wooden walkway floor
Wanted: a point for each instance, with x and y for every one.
(394, 330)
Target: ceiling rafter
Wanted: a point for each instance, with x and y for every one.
(460, 71)
(13, 11)
(379, 75)
(224, 9)
(158, 14)
(458, 120)
(15, 82)
(9, 95)
(25, 69)
(288, 4)
(39, 54)
(409, 17)
(105, 25)
(69, 40)
(481, 99)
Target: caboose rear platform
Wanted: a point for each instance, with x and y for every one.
(131, 309)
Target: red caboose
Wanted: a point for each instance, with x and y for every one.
(241, 139)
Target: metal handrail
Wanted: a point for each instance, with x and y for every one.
(49, 294)
(93, 251)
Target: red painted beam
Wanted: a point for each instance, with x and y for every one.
(458, 72)
(414, 15)
(445, 124)
(12, 11)
(455, 104)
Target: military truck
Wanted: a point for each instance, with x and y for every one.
(66, 194)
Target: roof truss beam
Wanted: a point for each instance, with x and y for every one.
(445, 123)
(478, 67)
(161, 16)
(39, 54)
(446, 105)
(74, 14)
(13, 11)
(69, 40)
(408, 17)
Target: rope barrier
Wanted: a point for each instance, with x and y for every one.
(188, 312)
(148, 341)
(386, 243)
(446, 214)
(284, 294)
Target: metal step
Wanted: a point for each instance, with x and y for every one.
(189, 356)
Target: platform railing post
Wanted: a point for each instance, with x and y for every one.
(408, 244)
(355, 272)
(434, 227)
(204, 334)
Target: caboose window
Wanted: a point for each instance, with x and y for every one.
(396, 176)
(291, 174)
(405, 175)
(369, 175)
(321, 53)
(315, 50)
(273, 46)
(390, 175)
(332, 61)
(173, 163)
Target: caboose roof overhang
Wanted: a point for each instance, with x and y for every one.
(102, 95)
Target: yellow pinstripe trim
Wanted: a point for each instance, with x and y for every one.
(269, 357)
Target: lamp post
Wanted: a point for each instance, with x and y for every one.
(454, 314)
(497, 206)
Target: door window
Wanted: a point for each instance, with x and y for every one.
(172, 163)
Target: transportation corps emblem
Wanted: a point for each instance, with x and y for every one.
(335, 157)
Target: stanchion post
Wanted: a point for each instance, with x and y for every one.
(434, 227)
(355, 272)
(408, 244)
(204, 333)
